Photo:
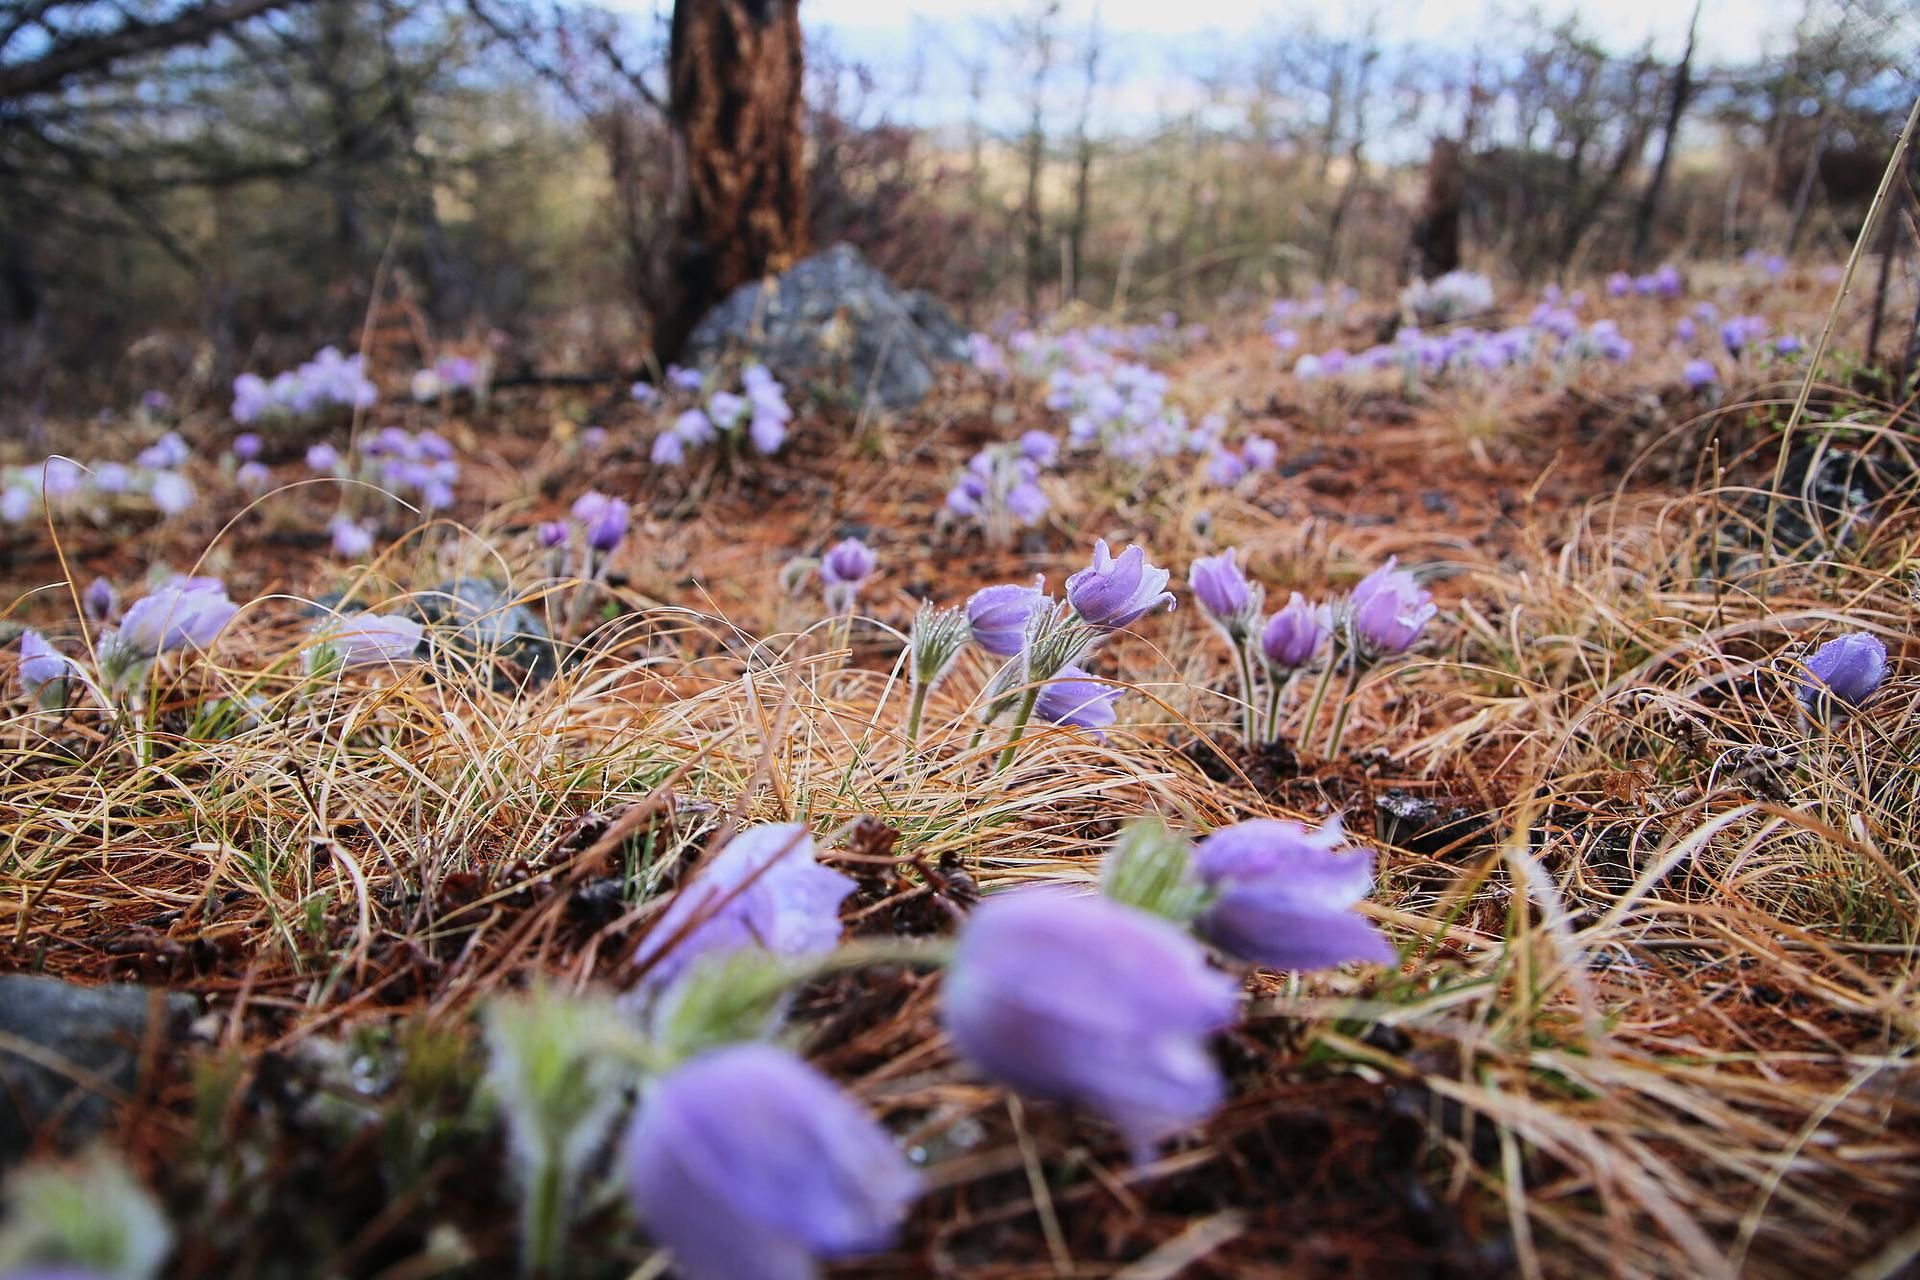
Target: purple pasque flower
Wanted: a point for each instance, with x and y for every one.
(551, 534)
(1295, 635)
(998, 615)
(167, 452)
(684, 379)
(40, 663)
(644, 393)
(1074, 698)
(323, 458)
(1081, 999)
(181, 613)
(604, 517)
(763, 890)
(1389, 610)
(846, 565)
(1118, 592)
(1848, 670)
(1699, 374)
(99, 601)
(253, 478)
(351, 539)
(1225, 595)
(369, 640)
(748, 1164)
(1260, 453)
(246, 446)
(1041, 448)
(112, 478)
(1283, 896)
(1225, 468)
(172, 493)
(725, 409)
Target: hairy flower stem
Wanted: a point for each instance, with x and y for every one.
(915, 711)
(545, 1226)
(1276, 695)
(1244, 660)
(1319, 697)
(1019, 727)
(1346, 704)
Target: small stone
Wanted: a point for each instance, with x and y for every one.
(1421, 824)
(481, 621)
(834, 315)
(96, 1031)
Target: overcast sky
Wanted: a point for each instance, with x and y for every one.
(1156, 44)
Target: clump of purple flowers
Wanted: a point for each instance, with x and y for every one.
(1000, 489)
(420, 463)
(327, 383)
(759, 411)
(1453, 296)
(453, 375)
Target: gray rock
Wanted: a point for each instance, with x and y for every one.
(95, 1032)
(478, 621)
(834, 315)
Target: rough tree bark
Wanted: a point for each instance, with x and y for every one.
(735, 71)
(1676, 108)
(1436, 232)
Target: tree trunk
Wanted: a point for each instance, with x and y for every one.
(1436, 232)
(1676, 108)
(735, 68)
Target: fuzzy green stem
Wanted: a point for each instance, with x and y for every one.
(1019, 727)
(1346, 704)
(545, 1226)
(1319, 697)
(1244, 660)
(915, 711)
(1276, 695)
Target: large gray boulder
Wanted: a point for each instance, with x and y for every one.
(63, 1045)
(834, 316)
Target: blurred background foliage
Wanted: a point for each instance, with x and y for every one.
(193, 187)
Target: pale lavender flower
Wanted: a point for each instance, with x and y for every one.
(368, 640)
(644, 393)
(1076, 699)
(1295, 635)
(1118, 592)
(1260, 453)
(155, 401)
(669, 450)
(604, 517)
(246, 446)
(768, 432)
(763, 890)
(1685, 330)
(684, 379)
(1848, 670)
(251, 399)
(1224, 594)
(695, 428)
(253, 478)
(1699, 374)
(551, 534)
(40, 663)
(1225, 468)
(1027, 502)
(593, 439)
(748, 1164)
(1039, 447)
(323, 458)
(351, 540)
(112, 478)
(99, 601)
(725, 409)
(1084, 1000)
(17, 503)
(181, 613)
(60, 478)
(846, 565)
(1619, 284)
(999, 614)
(1389, 609)
(167, 452)
(172, 493)
(1284, 896)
